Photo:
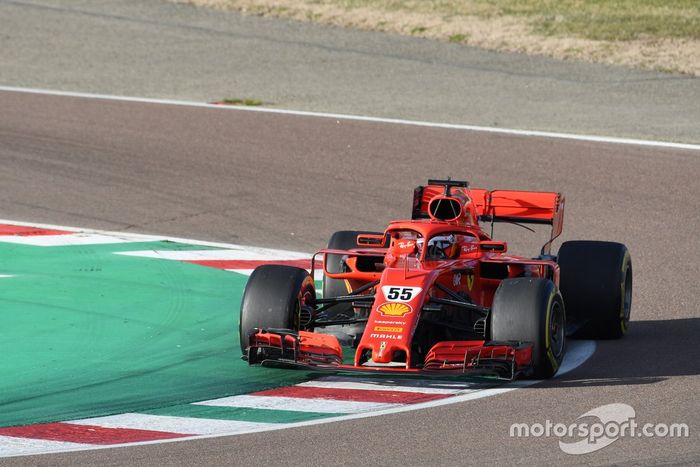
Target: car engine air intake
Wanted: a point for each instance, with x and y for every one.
(445, 208)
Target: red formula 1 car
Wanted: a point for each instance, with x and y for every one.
(436, 295)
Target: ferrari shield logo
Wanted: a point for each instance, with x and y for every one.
(470, 280)
(394, 309)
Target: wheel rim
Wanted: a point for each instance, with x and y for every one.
(556, 330)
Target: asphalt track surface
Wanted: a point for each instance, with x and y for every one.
(169, 50)
(290, 181)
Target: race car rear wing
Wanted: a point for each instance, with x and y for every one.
(526, 207)
(513, 206)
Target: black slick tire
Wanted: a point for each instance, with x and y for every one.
(596, 284)
(531, 310)
(273, 298)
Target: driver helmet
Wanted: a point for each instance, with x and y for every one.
(442, 247)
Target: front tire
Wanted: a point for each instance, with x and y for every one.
(273, 298)
(596, 283)
(531, 310)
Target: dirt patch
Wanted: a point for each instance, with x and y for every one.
(502, 33)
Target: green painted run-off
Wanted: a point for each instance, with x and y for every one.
(86, 332)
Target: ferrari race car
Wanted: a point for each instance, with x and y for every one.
(435, 295)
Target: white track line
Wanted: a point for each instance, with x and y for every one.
(169, 424)
(239, 253)
(135, 237)
(577, 352)
(69, 239)
(485, 129)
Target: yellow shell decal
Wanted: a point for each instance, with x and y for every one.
(394, 309)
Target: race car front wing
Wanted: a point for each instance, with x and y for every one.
(283, 348)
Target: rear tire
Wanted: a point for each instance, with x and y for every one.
(341, 240)
(596, 283)
(273, 298)
(531, 310)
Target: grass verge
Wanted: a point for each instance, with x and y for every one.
(662, 35)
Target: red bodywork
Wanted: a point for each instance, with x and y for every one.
(410, 280)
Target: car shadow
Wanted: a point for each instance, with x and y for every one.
(651, 352)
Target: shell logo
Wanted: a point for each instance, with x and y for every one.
(394, 309)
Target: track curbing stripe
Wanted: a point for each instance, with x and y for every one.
(87, 433)
(299, 404)
(348, 394)
(180, 426)
(370, 385)
(240, 414)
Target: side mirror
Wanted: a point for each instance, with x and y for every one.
(370, 240)
(500, 247)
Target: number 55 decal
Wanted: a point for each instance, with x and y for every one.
(400, 294)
